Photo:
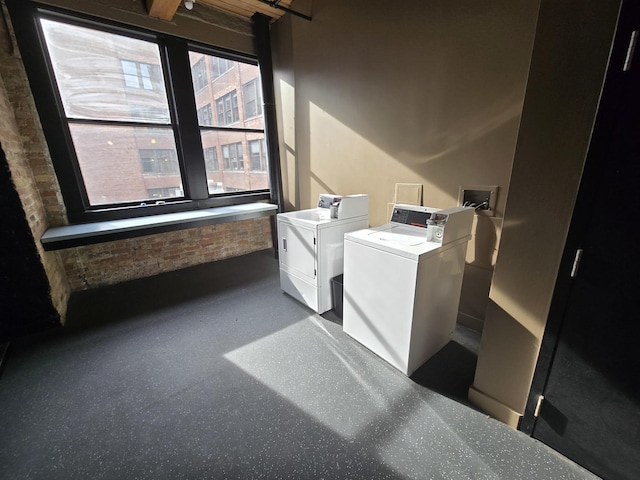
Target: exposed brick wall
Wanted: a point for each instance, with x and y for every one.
(106, 263)
(29, 127)
(31, 171)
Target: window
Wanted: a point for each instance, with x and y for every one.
(159, 161)
(252, 99)
(211, 159)
(258, 153)
(227, 107)
(232, 156)
(220, 66)
(199, 74)
(229, 131)
(113, 108)
(137, 75)
(119, 134)
(164, 192)
(205, 117)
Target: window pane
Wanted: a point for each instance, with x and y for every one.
(258, 154)
(224, 91)
(252, 98)
(211, 159)
(204, 115)
(234, 159)
(199, 75)
(129, 68)
(127, 164)
(103, 76)
(159, 160)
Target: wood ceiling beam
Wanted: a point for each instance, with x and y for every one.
(242, 7)
(163, 9)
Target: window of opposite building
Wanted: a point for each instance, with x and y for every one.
(164, 192)
(205, 115)
(227, 108)
(138, 75)
(128, 132)
(199, 72)
(211, 159)
(252, 98)
(219, 66)
(159, 161)
(258, 153)
(232, 156)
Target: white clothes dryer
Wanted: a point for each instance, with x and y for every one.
(402, 283)
(311, 246)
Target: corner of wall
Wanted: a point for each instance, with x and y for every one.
(494, 408)
(27, 157)
(563, 88)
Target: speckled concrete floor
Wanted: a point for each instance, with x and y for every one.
(213, 373)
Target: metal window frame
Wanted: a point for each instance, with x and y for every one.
(179, 84)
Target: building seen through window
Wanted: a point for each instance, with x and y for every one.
(234, 123)
(123, 130)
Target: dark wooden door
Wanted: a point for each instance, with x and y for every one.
(591, 385)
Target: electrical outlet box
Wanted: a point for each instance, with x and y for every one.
(481, 197)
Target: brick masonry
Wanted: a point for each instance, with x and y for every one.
(111, 262)
(31, 170)
(107, 263)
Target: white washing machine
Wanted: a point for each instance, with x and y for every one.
(311, 246)
(402, 283)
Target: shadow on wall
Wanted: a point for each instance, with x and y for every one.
(485, 245)
(25, 300)
(481, 256)
(504, 337)
(433, 92)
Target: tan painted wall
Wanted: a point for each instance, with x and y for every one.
(569, 60)
(429, 92)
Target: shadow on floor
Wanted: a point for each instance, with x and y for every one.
(449, 372)
(213, 372)
(116, 303)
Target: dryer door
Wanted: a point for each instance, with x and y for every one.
(297, 250)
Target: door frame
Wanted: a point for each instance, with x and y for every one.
(595, 163)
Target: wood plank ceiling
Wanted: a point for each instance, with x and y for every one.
(166, 9)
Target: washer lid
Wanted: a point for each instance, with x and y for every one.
(403, 237)
(404, 240)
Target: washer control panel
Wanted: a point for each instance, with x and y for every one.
(410, 217)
